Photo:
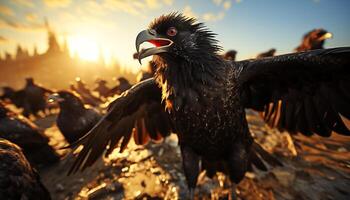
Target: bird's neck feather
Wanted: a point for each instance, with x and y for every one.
(72, 107)
(184, 79)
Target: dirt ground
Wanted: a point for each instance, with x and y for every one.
(314, 168)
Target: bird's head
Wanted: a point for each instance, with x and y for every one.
(7, 90)
(272, 51)
(30, 81)
(320, 35)
(179, 37)
(65, 99)
(316, 38)
(3, 110)
(122, 80)
(230, 55)
(100, 82)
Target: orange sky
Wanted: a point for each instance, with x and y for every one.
(109, 27)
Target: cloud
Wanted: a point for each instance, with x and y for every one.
(136, 7)
(94, 8)
(130, 7)
(32, 17)
(153, 4)
(27, 3)
(209, 16)
(57, 3)
(6, 10)
(224, 6)
(3, 40)
(227, 5)
(168, 2)
(212, 17)
(217, 2)
(187, 11)
(7, 24)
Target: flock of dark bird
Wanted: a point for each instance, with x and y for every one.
(75, 118)
(188, 89)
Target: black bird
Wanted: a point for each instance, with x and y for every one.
(230, 55)
(16, 97)
(35, 98)
(202, 98)
(122, 86)
(268, 53)
(85, 93)
(314, 40)
(27, 135)
(18, 180)
(73, 120)
(102, 88)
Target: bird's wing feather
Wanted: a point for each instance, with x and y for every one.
(306, 92)
(138, 112)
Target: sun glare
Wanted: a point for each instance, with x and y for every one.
(86, 48)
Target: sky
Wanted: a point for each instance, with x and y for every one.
(111, 26)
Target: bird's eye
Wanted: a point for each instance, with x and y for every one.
(171, 31)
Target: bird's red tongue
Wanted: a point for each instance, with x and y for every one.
(159, 43)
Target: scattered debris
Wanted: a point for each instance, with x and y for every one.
(313, 169)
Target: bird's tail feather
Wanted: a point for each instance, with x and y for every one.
(259, 157)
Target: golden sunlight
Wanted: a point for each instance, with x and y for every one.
(85, 48)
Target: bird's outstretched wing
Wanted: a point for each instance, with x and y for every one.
(307, 92)
(138, 112)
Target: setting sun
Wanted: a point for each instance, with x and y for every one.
(86, 48)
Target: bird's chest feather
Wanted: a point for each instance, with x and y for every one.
(203, 104)
(72, 121)
(209, 120)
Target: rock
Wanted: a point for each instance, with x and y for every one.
(143, 183)
(284, 176)
(172, 193)
(172, 140)
(250, 175)
(160, 152)
(220, 194)
(342, 149)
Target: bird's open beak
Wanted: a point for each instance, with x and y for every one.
(326, 36)
(161, 44)
(55, 97)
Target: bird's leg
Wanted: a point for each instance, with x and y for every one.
(191, 193)
(190, 162)
(238, 164)
(233, 191)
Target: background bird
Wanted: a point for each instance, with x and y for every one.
(314, 39)
(27, 135)
(268, 53)
(35, 98)
(74, 119)
(102, 88)
(85, 93)
(201, 97)
(18, 180)
(122, 86)
(230, 55)
(15, 97)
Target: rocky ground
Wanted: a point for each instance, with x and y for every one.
(314, 168)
